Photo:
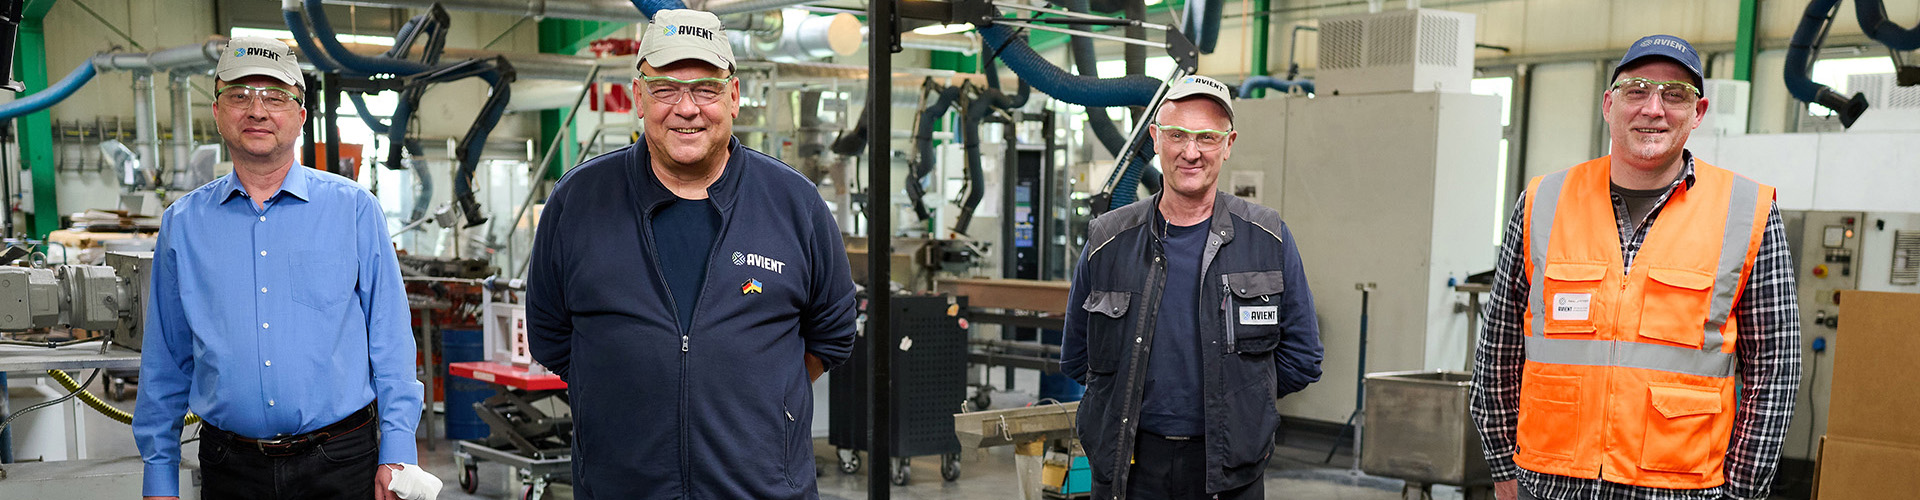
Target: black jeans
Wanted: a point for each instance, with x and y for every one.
(1166, 469)
(340, 468)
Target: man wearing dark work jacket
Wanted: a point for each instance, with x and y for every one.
(1189, 315)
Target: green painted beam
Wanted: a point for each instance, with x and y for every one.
(1743, 42)
(36, 130)
(567, 36)
(1262, 28)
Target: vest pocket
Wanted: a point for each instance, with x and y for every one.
(1546, 403)
(1252, 306)
(1107, 328)
(1569, 295)
(1680, 433)
(1676, 305)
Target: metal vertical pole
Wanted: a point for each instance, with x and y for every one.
(309, 129)
(331, 82)
(884, 41)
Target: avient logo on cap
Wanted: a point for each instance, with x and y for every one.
(256, 51)
(682, 29)
(1664, 41)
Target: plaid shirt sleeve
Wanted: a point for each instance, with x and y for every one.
(1498, 361)
(1768, 348)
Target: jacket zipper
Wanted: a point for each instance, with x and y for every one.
(673, 307)
(1226, 306)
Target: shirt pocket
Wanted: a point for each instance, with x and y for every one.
(1251, 303)
(1568, 291)
(1676, 305)
(1107, 327)
(322, 280)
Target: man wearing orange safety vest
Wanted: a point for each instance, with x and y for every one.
(1633, 293)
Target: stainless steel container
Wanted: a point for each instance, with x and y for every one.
(1417, 428)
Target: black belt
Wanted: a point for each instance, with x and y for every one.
(1174, 438)
(286, 446)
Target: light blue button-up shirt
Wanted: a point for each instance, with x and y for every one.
(274, 321)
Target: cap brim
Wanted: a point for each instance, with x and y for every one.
(672, 55)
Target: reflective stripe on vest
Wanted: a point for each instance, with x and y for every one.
(1707, 361)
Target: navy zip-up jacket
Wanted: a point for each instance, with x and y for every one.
(723, 410)
(1259, 339)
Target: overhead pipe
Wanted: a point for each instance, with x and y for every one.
(423, 197)
(1268, 82)
(185, 57)
(966, 42)
(146, 130)
(49, 96)
(182, 94)
(1806, 39)
(190, 57)
(1872, 15)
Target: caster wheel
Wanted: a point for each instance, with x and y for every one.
(528, 495)
(950, 467)
(982, 399)
(849, 461)
(902, 472)
(470, 479)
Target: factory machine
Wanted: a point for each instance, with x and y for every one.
(103, 305)
(1835, 251)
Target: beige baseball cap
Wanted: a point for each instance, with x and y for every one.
(1196, 85)
(251, 55)
(679, 34)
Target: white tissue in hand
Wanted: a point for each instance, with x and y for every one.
(413, 483)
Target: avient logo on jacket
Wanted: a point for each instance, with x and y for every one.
(756, 260)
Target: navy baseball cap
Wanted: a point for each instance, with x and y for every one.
(1667, 46)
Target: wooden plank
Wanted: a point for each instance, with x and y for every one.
(1029, 295)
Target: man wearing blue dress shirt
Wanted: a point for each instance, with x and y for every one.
(277, 314)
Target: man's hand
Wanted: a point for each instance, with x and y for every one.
(1507, 490)
(814, 368)
(380, 480)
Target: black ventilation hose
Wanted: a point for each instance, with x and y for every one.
(923, 148)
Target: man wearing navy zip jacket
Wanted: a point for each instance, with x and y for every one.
(1189, 315)
(689, 291)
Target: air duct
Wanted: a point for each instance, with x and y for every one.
(1806, 39)
(923, 147)
(1268, 82)
(50, 96)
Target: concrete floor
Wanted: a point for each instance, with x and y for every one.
(1296, 470)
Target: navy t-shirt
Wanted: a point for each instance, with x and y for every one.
(683, 233)
(1170, 402)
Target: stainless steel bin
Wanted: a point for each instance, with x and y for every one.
(1417, 428)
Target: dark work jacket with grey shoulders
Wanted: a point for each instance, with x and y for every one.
(1259, 339)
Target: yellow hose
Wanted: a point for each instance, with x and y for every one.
(101, 406)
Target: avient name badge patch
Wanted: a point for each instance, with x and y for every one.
(1571, 306)
(1260, 315)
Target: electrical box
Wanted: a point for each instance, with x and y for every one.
(1726, 107)
(1415, 50)
(1835, 251)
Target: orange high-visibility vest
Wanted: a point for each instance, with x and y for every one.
(1629, 374)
